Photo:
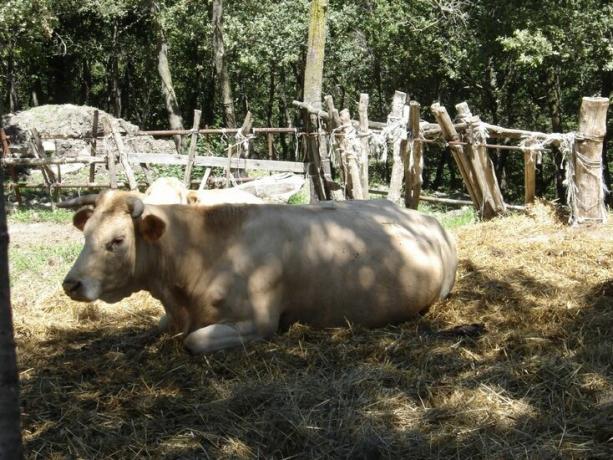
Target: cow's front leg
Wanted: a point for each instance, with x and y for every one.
(174, 322)
(220, 336)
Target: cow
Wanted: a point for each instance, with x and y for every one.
(221, 196)
(170, 190)
(231, 274)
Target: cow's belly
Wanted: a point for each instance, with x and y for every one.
(368, 282)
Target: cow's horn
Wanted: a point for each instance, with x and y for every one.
(79, 201)
(136, 206)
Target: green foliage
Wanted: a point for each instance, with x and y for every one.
(514, 62)
(450, 217)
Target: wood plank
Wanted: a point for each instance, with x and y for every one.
(220, 162)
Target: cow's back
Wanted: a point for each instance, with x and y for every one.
(368, 262)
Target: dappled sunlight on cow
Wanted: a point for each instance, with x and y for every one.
(231, 274)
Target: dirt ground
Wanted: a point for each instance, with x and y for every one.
(538, 383)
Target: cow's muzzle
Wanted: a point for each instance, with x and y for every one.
(73, 288)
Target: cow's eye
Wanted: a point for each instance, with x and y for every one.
(114, 243)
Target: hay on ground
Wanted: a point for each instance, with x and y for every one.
(537, 384)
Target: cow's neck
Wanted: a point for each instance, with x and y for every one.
(166, 268)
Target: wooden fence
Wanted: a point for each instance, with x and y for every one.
(338, 140)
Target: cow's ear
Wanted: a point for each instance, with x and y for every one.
(81, 216)
(151, 227)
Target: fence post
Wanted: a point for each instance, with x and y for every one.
(92, 167)
(529, 176)
(584, 176)
(12, 171)
(192, 149)
(397, 116)
(450, 134)
(364, 141)
(414, 164)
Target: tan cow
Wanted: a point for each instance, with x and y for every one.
(231, 274)
(220, 196)
(166, 190)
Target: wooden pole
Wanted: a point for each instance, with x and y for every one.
(529, 177)
(397, 116)
(10, 425)
(192, 148)
(349, 158)
(92, 167)
(364, 141)
(414, 165)
(123, 158)
(586, 194)
(493, 202)
(450, 134)
(313, 79)
(5, 154)
(110, 154)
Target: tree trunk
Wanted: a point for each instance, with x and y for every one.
(10, 430)
(221, 66)
(172, 105)
(86, 82)
(554, 102)
(319, 168)
(13, 99)
(115, 92)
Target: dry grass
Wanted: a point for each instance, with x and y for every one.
(537, 384)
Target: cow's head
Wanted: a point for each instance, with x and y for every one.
(115, 225)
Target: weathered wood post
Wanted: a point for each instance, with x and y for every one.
(414, 165)
(529, 176)
(110, 154)
(493, 202)
(92, 167)
(450, 134)
(396, 118)
(349, 157)
(192, 149)
(586, 189)
(12, 171)
(363, 133)
(123, 158)
(313, 78)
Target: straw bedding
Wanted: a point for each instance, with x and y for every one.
(537, 383)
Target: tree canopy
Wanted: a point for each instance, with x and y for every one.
(518, 63)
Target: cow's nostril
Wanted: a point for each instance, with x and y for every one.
(71, 285)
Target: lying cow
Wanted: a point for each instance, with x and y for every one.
(231, 274)
(170, 190)
(166, 190)
(221, 196)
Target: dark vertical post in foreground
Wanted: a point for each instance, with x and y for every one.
(313, 79)
(10, 429)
